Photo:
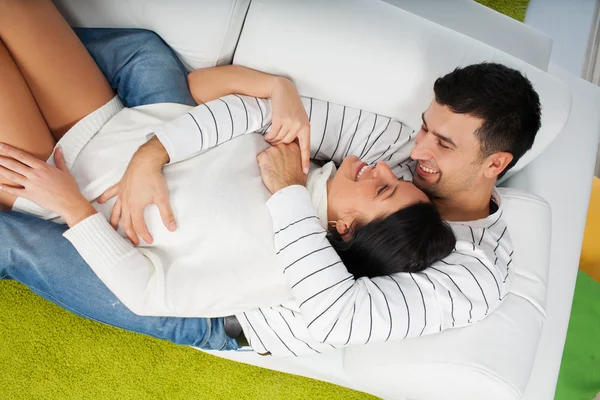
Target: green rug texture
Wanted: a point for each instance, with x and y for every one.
(579, 377)
(48, 353)
(513, 8)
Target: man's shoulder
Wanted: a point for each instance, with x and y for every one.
(482, 254)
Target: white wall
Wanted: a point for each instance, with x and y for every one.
(569, 23)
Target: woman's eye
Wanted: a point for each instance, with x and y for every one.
(381, 189)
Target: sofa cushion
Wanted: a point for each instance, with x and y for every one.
(203, 33)
(378, 57)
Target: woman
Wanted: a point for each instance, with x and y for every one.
(54, 189)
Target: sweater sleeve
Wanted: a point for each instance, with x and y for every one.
(134, 275)
(341, 310)
(336, 131)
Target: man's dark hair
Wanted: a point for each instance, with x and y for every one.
(502, 97)
(408, 240)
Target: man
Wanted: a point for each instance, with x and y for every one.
(483, 119)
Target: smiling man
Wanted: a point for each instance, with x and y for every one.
(483, 118)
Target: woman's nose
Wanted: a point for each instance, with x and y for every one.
(384, 171)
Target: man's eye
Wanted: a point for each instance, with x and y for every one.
(381, 189)
(442, 146)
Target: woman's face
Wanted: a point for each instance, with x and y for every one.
(362, 193)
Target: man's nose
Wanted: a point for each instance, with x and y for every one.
(422, 149)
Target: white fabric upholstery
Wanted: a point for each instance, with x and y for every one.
(563, 176)
(374, 56)
(474, 362)
(203, 33)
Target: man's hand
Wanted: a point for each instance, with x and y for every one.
(280, 166)
(142, 184)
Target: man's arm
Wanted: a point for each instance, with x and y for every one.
(337, 131)
(460, 290)
(289, 122)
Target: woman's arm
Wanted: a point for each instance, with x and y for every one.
(137, 278)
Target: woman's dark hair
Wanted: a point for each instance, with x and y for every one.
(502, 97)
(408, 240)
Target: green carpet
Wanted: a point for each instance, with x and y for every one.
(48, 353)
(513, 8)
(579, 377)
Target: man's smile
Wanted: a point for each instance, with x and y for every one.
(425, 171)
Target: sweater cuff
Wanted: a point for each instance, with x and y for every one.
(96, 240)
(289, 205)
(23, 205)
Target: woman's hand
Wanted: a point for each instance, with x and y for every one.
(290, 121)
(52, 188)
(142, 184)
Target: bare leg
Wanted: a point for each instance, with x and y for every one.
(21, 122)
(63, 78)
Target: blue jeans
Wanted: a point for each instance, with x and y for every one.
(139, 65)
(33, 251)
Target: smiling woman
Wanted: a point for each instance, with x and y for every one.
(381, 225)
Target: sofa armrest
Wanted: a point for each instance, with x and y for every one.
(562, 175)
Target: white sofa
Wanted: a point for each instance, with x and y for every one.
(376, 56)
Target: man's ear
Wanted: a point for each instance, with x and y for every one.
(497, 163)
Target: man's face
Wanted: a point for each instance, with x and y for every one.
(447, 153)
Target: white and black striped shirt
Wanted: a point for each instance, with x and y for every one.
(331, 308)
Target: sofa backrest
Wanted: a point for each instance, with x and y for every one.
(486, 25)
(203, 33)
(374, 56)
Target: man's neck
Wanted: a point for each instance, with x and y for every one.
(467, 206)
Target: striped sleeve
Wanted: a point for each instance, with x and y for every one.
(339, 310)
(336, 131)
(211, 124)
